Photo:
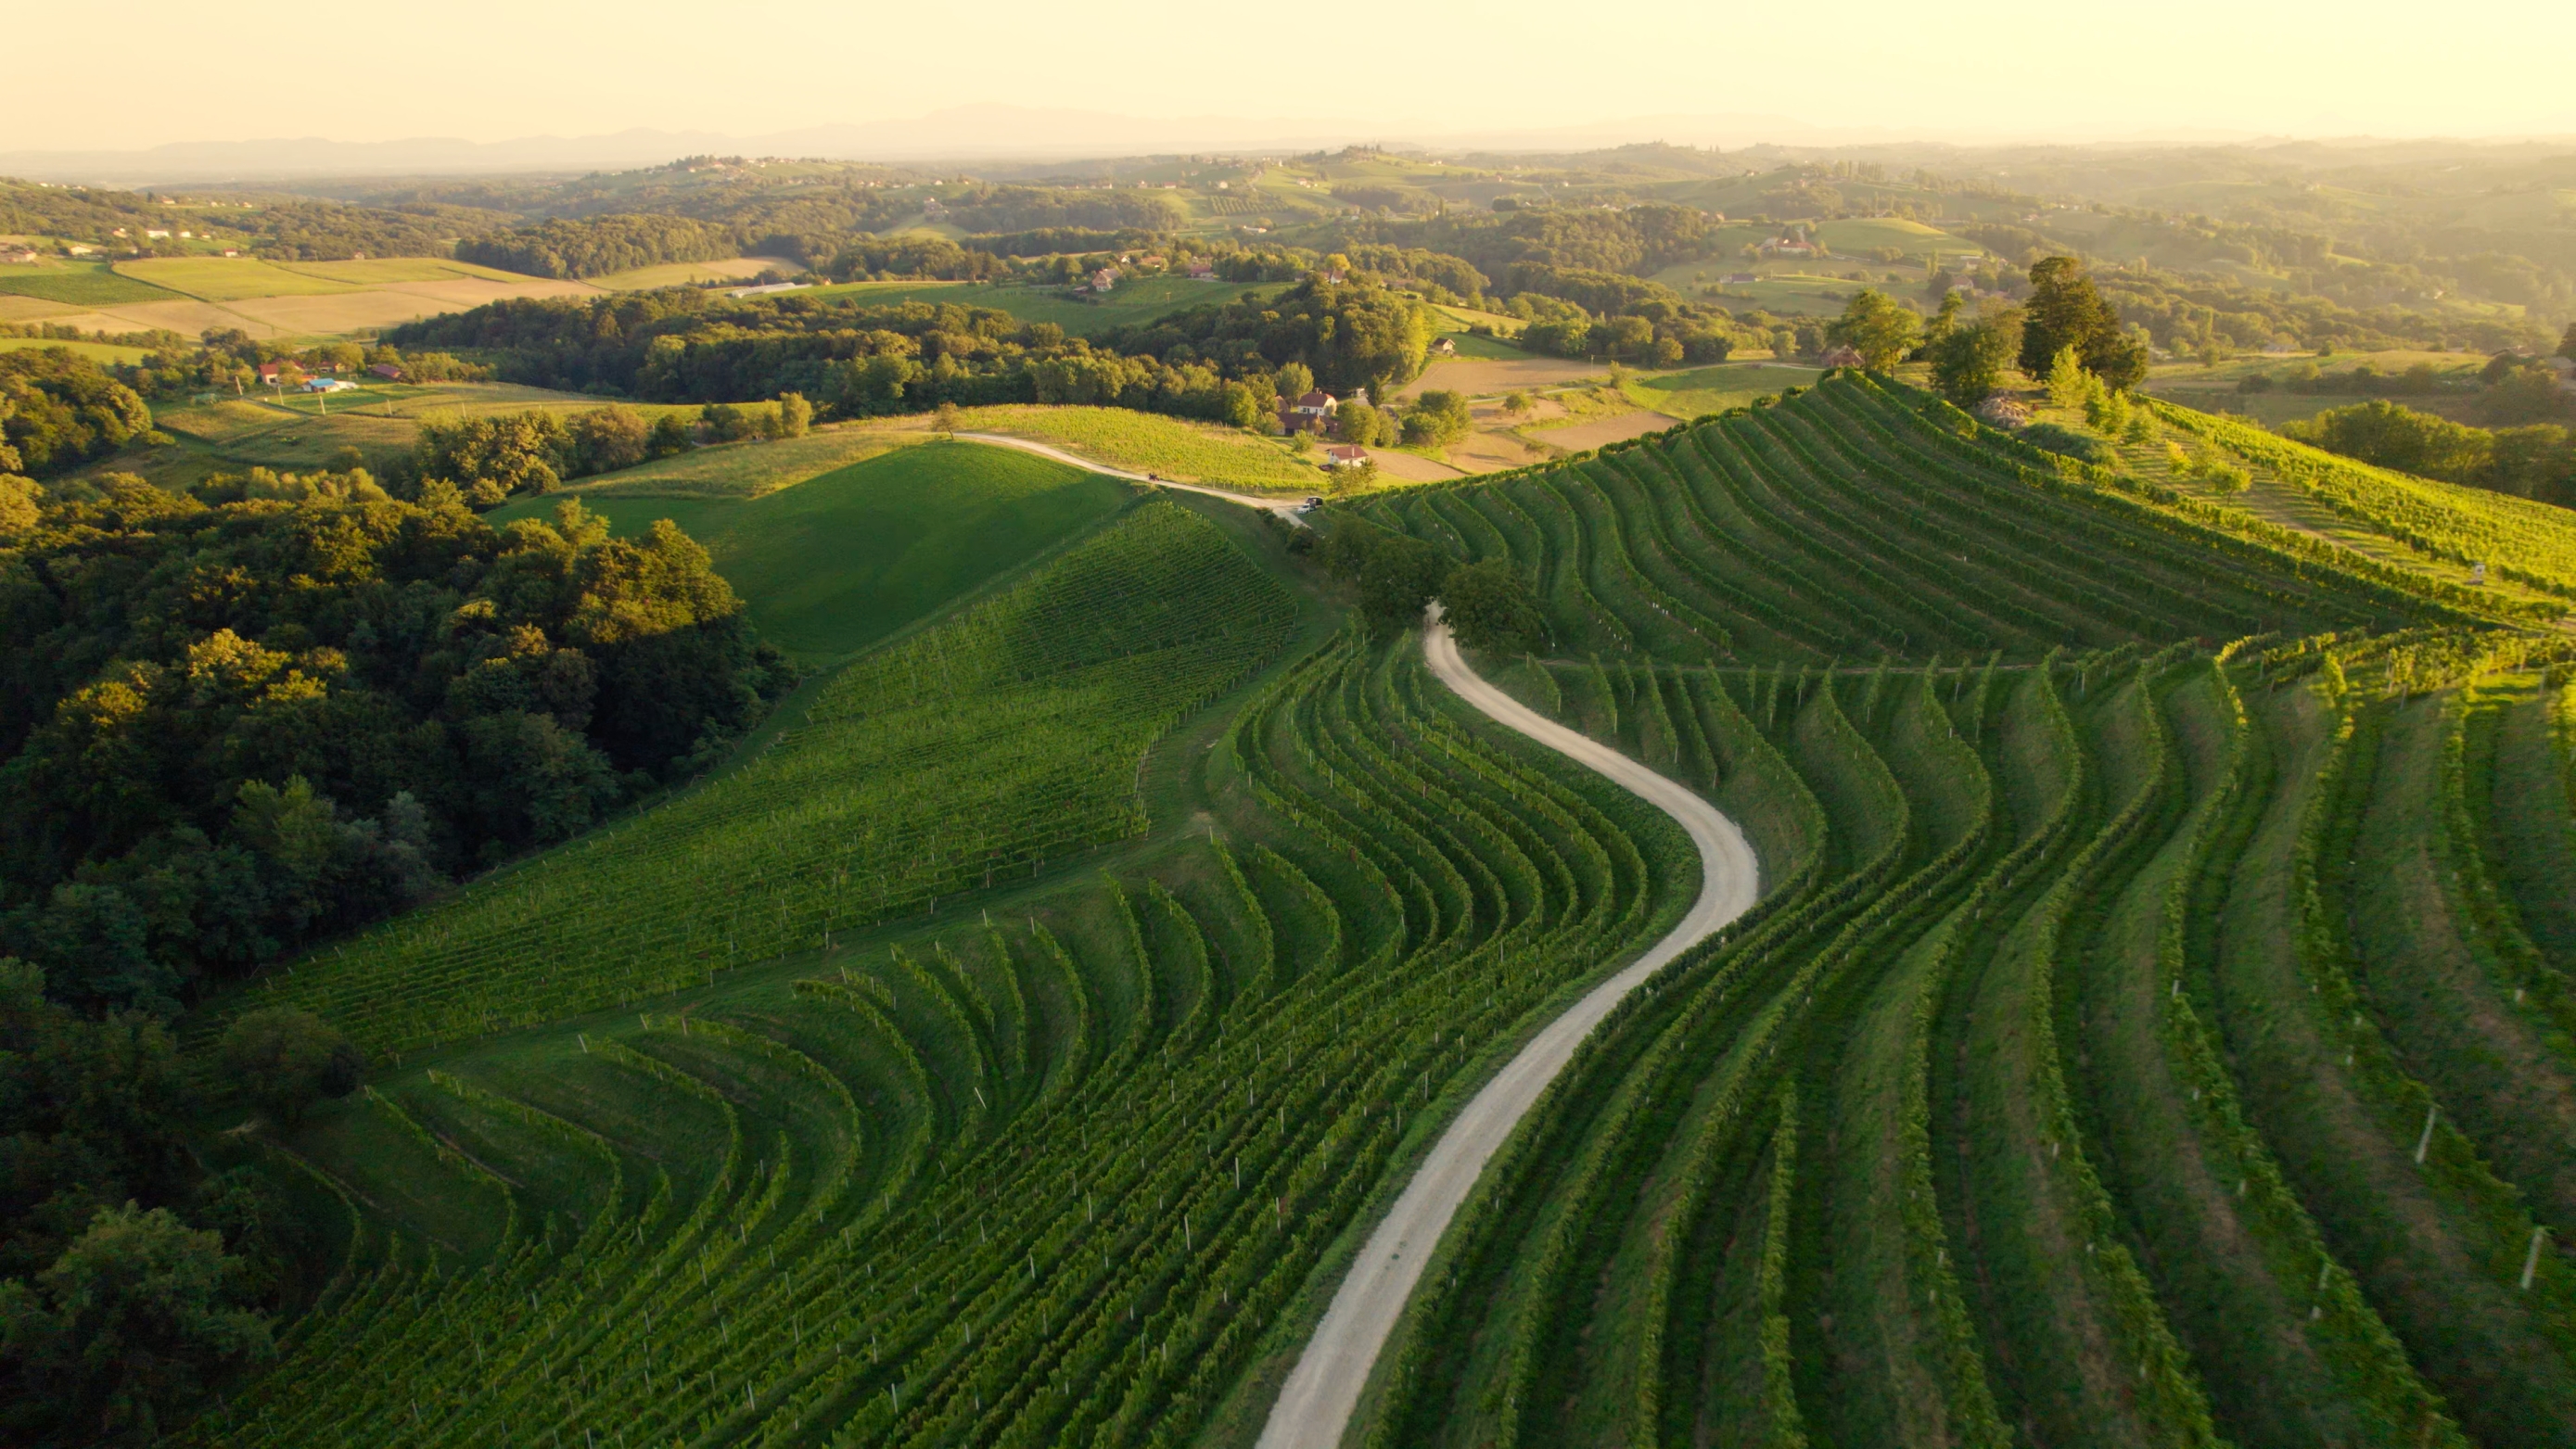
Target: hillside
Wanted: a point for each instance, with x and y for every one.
(1066, 987)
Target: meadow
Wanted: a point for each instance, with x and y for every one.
(1134, 299)
(229, 279)
(842, 559)
(1703, 390)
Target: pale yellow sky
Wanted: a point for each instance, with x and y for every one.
(94, 76)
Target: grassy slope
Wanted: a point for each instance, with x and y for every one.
(1140, 299)
(843, 559)
(82, 284)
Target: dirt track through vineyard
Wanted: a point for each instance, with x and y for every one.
(1314, 1406)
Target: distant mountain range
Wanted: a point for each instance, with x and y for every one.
(960, 134)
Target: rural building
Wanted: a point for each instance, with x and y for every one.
(387, 371)
(1310, 413)
(79, 249)
(1844, 357)
(268, 371)
(25, 256)
(1104, 279)
(1443, 347)
(1740, 278)
(1202, 271)
(1781, 246)
(328, 384)
(1345, 455)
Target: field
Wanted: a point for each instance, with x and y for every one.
(295, 433)
(78, 284)
(1704, 390)
(2155, 1028)
(841, 560)
(1177, 448)
(682, 274)
(229, 279)
(1137, 299)
(95, 351)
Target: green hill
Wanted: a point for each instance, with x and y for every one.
(2155, 1027)
(841, 560)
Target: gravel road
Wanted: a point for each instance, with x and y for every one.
(1314, 1406)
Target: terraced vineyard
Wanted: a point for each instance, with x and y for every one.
(973, 752)
(2157, 1028)
(1051, 1177)
(1861, 519)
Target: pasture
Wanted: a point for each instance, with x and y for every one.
(684, 274)
(842, 559)
(1704, 390)
(1133, 300)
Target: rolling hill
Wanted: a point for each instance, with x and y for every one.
(2154, 1028)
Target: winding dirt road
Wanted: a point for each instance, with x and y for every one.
(1314, 1406)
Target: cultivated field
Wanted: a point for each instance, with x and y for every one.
(2154, 1029)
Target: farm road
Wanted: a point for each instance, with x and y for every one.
(1314, 1406)
(1285, 507)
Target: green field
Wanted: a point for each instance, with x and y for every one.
(2155, 1028)
(843, 559)
(1706, 390)
(1192, 452)
(1138, 299)
(376, 271)
(228, 279)
(95, 351)
(80, 284)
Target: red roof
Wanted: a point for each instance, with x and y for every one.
(1347, 453)
(1316, 399)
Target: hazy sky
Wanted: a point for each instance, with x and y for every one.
(101, 77)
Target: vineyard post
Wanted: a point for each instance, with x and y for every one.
(2425, 1142)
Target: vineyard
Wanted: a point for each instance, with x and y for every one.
(2158, 1026)
(972, 753)
(1859, 519)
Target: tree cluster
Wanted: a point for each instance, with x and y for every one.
(1490, 606)
(59, 410)
(2537, 460)
(230, 729)
(596, 246)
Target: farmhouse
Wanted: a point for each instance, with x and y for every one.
(1310, 413)
(1345, 455)
(1844, 357)
(387, 371)
(1202, 271)
(1104, 279)
(269, 371)
(25, 256)
(1443, 347)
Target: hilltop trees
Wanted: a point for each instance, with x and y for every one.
(1873, 325)
(2065, 310)
(1968, 363)
(58, 410)
(286, 1060)
(228, 730)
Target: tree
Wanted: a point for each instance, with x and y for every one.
(1516, 403)
(1875, 326)
(2066, 310)
(607, 439)
(120, 1336)
(1358, 423)
(1398, 577)
(1943, 322)
(1490, 606)
(1968, 365)
(670, 437)
(1296, 380)
(795, 415)
(2567, 344)
(943, 420)
(1438, 417)
(2068, 382)
(286, 1060)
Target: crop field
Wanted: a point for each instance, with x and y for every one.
(682, 274)
(79, 284)
(2155, 1029)
(836, 563)
(1861, 519)
(378, 271)
(228, 279)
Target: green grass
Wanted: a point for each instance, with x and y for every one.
(95, 351)
(80, 284)
(227, 279)
(842, 559)
(1705, 390)
(1192, 452)
(376, 271)
(1138, 299)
